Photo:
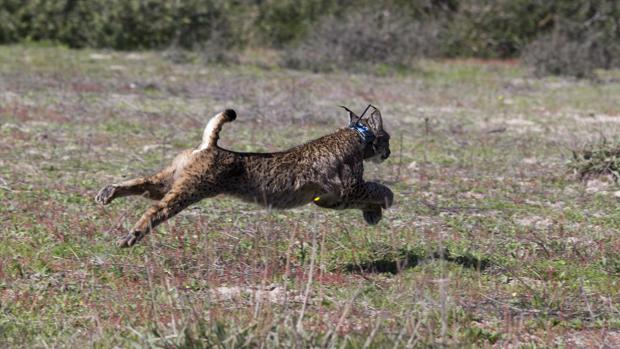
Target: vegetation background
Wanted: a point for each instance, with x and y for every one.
(505, 231)
(556, 37)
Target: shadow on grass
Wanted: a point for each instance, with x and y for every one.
(402, 259)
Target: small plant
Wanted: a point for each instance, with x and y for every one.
(597, 160)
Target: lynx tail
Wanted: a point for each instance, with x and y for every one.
(212, 132)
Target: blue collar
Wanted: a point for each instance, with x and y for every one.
(364, 132)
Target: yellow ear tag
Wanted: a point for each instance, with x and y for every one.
(317, 198)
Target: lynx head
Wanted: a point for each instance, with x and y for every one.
(377, 147)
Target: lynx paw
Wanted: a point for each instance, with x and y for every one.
(105, 195)
(372, 217)
(130, 239)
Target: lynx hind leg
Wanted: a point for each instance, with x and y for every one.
(105, 195)
(178, 198)
(153, 187)
(169, 206)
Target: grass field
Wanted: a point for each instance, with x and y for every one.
(492, 241)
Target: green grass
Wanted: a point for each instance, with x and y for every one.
(493, 241)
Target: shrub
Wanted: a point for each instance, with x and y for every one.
(585, 37)
(558, 54)
(327, 34)
(367, 36)
(494, 28)
(597, 160)
(280, 22)
(120, 24)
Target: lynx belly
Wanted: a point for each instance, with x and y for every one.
(281, 200)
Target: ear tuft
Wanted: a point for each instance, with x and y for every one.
(230, 115)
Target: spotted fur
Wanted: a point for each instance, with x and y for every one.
(327, 171)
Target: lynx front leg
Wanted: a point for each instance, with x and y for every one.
(371, 193)
(153, 187)
(362, 196)
(372, 214)
(369, 197)
(372, 198)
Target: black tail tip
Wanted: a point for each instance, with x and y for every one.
(230, 114)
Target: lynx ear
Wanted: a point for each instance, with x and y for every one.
(352, 116)
(375, 119)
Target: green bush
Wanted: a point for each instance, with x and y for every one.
(138, 24)
(585, 37)
(119, 24)
(495, 28)
(366, 36)
(8, 22)
(283, 21)
(333, 33)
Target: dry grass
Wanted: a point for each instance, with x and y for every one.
(490, 244)
(597, 160)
